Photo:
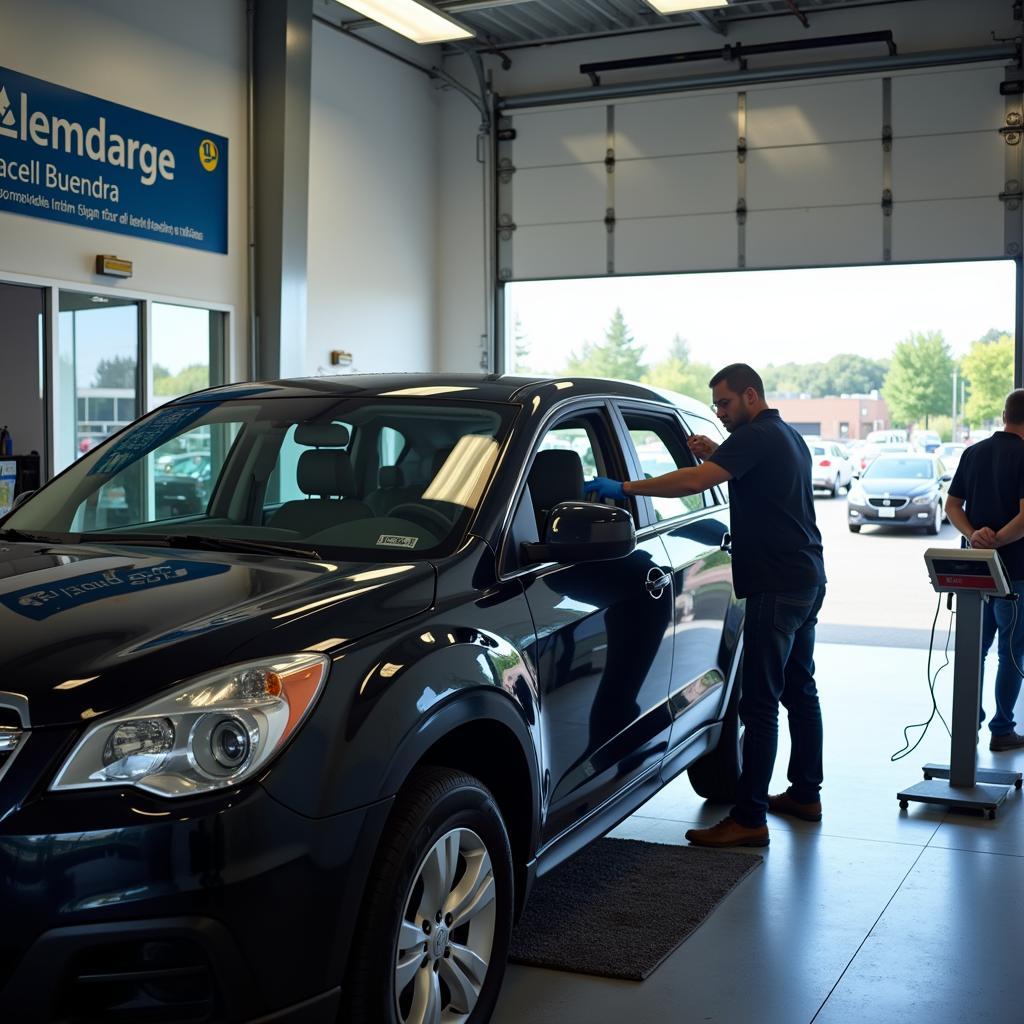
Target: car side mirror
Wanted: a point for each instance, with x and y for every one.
(947, 478)
(583, 531)
(856, 474)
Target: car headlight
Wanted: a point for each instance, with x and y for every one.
(214, 731)
(924, 499)
(856, 496)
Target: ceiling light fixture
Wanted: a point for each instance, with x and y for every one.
(681, 6)
(421, 22)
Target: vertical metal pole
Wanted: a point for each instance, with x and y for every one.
(963, 760)
(952, 435)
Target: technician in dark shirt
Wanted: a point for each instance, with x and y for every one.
(986, 504)
(778, 567)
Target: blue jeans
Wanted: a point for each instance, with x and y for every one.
(998, 615)
(778, 666)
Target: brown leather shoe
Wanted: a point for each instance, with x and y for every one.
(783, 803)
(1009, 741)
(728, 833)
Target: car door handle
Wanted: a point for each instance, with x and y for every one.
(657, 581)
(726, 544)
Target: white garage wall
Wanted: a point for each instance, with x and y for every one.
(184, 61)
(566, 190)
(373, 208)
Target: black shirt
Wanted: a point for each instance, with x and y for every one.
(990, 481)
(775, 540)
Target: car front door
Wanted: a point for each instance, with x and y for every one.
(604, 641)
(695, 532)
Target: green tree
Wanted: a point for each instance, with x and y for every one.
(617, 356)
(852, 374)
(920, 380)
(678, 372)
(988, 367)
(117, 372)
(191, 378)
(521, 347)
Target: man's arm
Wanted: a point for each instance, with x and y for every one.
(680, 482)
(983, 538)
(1012, 531)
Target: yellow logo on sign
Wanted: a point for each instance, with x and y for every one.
(209, 154)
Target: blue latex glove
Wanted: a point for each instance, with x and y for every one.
(602, 488)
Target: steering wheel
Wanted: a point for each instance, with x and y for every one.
(423, 515)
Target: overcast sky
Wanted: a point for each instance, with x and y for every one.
(772, 316)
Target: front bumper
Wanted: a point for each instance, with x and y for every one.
(910, 516)
(117, 906)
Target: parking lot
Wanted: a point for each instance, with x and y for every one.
(879, 592)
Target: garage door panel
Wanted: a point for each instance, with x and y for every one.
(556, 194)
(941, 102)
(814, 176)
(947, 230)
(810, 114)
(940, 167)
(800, 238)
(551, 137)
(561, 250)
(665, 244)
(672, 186)
(676, 126)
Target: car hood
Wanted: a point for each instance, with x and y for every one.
(86, 629)
(901, 488)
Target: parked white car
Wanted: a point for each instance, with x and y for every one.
(831, 468)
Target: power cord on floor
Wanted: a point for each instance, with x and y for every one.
(907, 749)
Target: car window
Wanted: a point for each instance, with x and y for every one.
(660, 446)
(900, 469)
(574, 437)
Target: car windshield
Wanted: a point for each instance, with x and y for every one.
(373, 479)
(899, 469)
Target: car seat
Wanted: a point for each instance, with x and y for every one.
(556, 475)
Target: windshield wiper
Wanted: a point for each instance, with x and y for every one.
(204, 542)
(37, 538)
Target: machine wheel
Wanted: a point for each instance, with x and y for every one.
(904, 804)
(714, 776)
(854, 529)
(936, 524)
(437, 913)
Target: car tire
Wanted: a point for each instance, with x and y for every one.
(440, 816)
(714, 776)
(854, 529)
(935, 526)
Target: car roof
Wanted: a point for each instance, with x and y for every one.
(470, 387)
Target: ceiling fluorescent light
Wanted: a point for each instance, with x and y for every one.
(680, 6)
(417, 21)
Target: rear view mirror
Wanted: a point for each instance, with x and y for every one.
(583, 531)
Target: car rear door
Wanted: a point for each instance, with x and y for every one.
(695, 533)
(604, 634)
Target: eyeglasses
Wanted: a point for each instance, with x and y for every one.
(721, 403)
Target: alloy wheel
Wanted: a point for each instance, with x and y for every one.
(447, 932)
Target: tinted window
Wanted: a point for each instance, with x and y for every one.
(661, 448)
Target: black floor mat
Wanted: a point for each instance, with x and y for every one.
(621, 906)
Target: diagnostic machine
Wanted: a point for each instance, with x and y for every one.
(975, 576)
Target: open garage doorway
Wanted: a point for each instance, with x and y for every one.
(913, 359)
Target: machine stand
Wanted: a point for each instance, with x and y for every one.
(971, 575)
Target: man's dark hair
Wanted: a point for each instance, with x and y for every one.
(1013, 411)
(738, 377)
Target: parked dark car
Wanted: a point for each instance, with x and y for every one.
(899, 490)
(300, 753)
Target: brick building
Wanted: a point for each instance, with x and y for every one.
(843, 417)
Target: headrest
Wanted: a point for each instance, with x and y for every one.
(556, 475)
(323, 472)
(389, 477)
(322, 435)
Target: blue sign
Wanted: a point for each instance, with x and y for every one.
(41, 602)
(68, 156)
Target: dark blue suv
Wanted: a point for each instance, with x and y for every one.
(298, 754)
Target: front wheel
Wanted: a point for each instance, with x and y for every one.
(714, 776)
(434, 928)
(936, 524)
(854, 529)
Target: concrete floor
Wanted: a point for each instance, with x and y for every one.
(873, 915)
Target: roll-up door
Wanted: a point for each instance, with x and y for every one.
(917, 165)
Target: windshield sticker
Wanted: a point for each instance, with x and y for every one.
(142, 439)
(41, 603)
(394, 540)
